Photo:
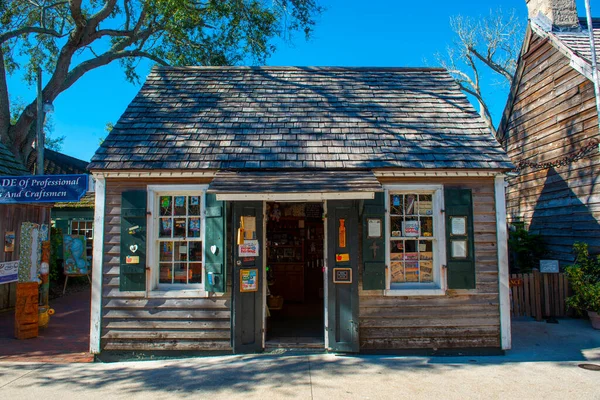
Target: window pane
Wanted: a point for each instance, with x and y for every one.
(411, 227)
(397, 272)
(194, 205)
(179, 229)
(194, 228)
(396, 226)
(180, 273)
(165, 273)
(425, 204)
(165, 228)
(396, 204)
(411, 271)
(196, 273)
(166, 251)
(410, 204)
(427, 226)
(180, 208)
(165, 205)
(181, 251)
(396, 250)
(195, 251)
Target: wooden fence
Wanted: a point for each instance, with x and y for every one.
(538, 295)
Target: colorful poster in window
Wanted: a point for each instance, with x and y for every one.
(250, 248)
(249, 280)
(411, 228)
(75, 253)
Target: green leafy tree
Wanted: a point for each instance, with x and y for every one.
(50, 141)
(67, 39)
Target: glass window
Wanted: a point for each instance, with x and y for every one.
(412, 239)
(179, 238)
(83, 228)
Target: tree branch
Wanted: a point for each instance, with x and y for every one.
(490, 63)
(28, 30)
(4, 102)
(102, 60)
(101, 15)
(75, 7)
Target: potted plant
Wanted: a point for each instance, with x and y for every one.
(584, 279)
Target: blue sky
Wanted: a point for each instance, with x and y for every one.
(348, 33)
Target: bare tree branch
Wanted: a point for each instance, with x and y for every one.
(26, 31)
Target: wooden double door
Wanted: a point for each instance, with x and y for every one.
(341, 285)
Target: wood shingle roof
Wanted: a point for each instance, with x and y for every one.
(299, 118)
(9, 166)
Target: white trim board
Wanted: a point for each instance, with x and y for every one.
(296, 197)
(98, 266)
(502, 237)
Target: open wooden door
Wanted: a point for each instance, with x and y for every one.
(248, 280)
(342, 276)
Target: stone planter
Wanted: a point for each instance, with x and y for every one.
(594, 319)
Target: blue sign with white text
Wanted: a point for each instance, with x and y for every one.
(42, 188)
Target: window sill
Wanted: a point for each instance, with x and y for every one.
(177, 293)
(414, 292)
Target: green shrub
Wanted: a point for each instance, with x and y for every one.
(525, 249)
(584, 279)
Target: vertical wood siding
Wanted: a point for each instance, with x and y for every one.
(554, 114)
(459, 319)
(11, 217)
(132, 322)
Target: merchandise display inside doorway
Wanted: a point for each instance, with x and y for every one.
(295, 237)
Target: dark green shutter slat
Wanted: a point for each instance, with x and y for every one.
(132, 277)
(461, 271)
(214, 270)
(374, 263)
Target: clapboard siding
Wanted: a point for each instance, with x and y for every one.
(132, 322)
(11, 218)
(554, 115)
(459, 319)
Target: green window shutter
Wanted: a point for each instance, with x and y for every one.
(374, 248)
(461, 267)
(133, 241)
(214, 235)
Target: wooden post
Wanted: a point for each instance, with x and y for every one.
(26, 312)
(547, 300)
(538, 294)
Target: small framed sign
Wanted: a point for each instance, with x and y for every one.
(249, 280)
(458, 226)
(549, 266)
(459, 249)
(374, 228)
(342, 275)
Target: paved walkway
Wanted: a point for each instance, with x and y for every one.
(544, 364)
(65, 340)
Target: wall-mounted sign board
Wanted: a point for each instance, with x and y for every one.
(9, 271)
(549, 266)
(42, 188)
(249, 280)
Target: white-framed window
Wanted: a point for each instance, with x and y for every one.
(416, 240)
(83, 228)
(176, 237)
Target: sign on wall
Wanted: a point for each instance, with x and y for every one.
(9, 271)
(42, 188)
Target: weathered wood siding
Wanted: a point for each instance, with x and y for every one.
(11, 217)
(554, 115)
(131, 321)
(461, 318)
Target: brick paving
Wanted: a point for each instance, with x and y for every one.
(65, 340)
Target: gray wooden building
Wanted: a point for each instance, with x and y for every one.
(347, 209)
(550, 131)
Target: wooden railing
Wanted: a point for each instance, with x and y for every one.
(538, 295)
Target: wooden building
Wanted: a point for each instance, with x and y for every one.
(550, 131)
(11, 218)
(348, 209)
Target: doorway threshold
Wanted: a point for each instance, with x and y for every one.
(295, 343)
